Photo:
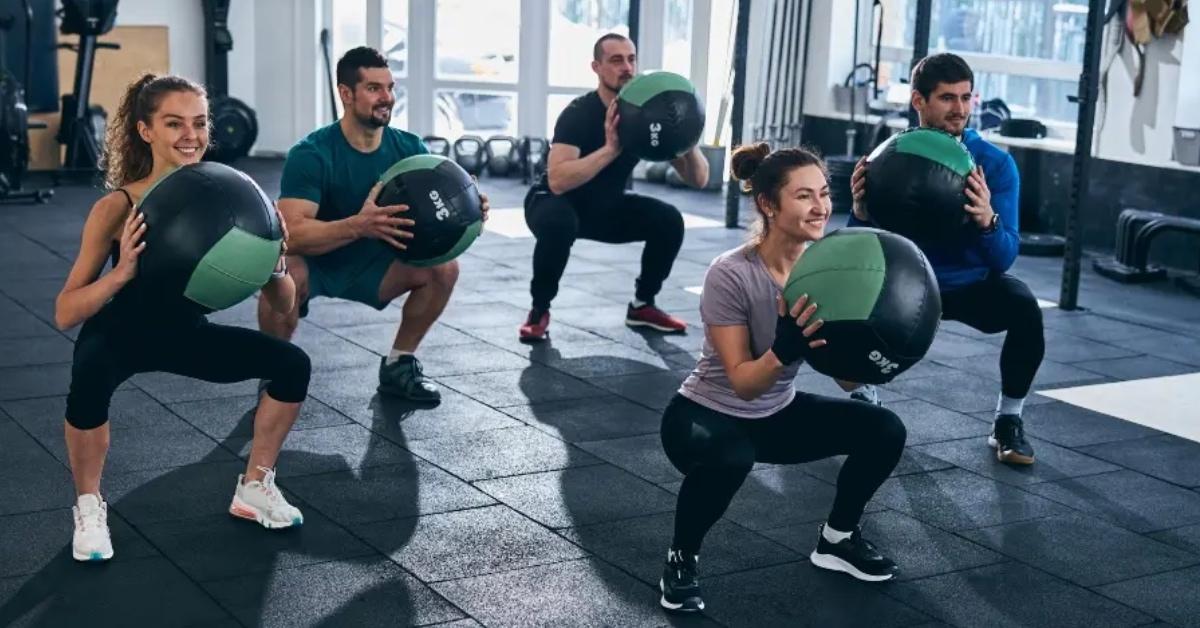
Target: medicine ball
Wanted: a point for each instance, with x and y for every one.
(443, 202)
(660, 116)
(212, 238)
(915, 186)
(878, 297)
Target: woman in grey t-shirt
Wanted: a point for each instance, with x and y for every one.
(738, 406)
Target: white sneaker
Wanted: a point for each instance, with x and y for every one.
(92, 542)
(261, 501)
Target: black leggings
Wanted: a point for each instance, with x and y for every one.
(110, 349)
(1003, 302)
(556, 222)
(715, 451)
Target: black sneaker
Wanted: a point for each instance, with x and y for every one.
(1008, 439)
(680, 588)
(404, 378)
(855, 556)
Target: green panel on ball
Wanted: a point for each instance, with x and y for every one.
(233, 269)
(937, 146)
(842, 273)
(408, 164)
(469, 234)
(644, 87)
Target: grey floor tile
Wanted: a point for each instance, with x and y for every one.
(467, 543)
(1068, 547)
(1011, 594)
(579, 496)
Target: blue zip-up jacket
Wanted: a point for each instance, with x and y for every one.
(994, 252)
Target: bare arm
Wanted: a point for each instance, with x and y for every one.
(309, 235)
(280, 290)
(752, 377)
(692, 168)
(85, 292)
(566, 170)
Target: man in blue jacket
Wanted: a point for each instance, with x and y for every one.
(975, 285)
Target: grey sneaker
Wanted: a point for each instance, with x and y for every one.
(404, 378)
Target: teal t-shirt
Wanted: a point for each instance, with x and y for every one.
(325, 169)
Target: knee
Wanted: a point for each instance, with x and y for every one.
(668, 220)
(890, 432)
(1031, 314)
(445, 275)
(87, 405)
(553, 219)
(293, 370)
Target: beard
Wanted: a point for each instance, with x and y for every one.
(616, 87)
(373, 120)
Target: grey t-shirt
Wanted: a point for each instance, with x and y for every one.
(738, 290)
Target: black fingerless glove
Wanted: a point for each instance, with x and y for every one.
(789, 342)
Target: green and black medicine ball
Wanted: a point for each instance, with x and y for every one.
(660, 116)
(878, 297)
(916, 182)
(442, 200)
(212, 238)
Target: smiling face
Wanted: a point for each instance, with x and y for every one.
(948, 107)
(802, 207)
(371, 99)
(178, 129)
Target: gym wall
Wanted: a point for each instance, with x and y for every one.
(143, 49)
(158, 36)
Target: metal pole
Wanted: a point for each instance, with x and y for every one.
(1089, 89)
(635, 20)
(922, 26)
(733, 195)
(804, 71)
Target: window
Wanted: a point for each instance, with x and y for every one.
(677, 37)
(400, 111)
(1026, 52)
(395, 37)
(349, 27)
(478, 41)
(575, 25)
(510, 66)
(469, 112)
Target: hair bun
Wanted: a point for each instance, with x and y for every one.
(746, 160)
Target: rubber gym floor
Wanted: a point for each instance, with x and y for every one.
(537, 493)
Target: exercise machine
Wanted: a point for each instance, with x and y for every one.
(82, 126)
(234, 125)
(14, 118)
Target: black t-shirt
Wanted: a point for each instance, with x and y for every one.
(581, 125)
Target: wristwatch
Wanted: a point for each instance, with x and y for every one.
(993, 224)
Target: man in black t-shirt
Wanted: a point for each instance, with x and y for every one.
(583, 195)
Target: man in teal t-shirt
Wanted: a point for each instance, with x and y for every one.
(340, 243)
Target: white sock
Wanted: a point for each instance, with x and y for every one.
(636, 303)
(396, 354)
(833, 536)
(869, 392)
(1009, 405)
